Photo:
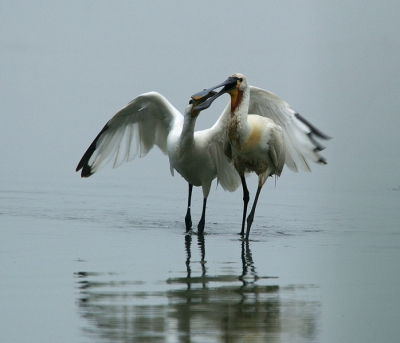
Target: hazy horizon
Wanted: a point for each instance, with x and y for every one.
(68, 67)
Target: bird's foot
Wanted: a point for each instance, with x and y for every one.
(200, 227)
(188, 223)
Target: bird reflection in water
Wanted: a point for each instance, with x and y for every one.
(248, 276)
(188, 248)
(228, 307)
(249, 270)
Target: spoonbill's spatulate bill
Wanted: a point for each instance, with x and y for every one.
(263, 134)
(150, 120)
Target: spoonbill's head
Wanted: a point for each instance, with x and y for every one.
(235, 85)
(194, 112)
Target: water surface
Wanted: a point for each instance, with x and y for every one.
(98, 265)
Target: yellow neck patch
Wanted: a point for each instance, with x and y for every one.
(236, 98)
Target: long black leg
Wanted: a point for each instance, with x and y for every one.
(246, 198)
(251, 215)
(202, 221)
(188, 217)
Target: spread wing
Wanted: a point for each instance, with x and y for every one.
(145, 121)
(300, 135)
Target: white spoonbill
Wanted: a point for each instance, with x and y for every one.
(151, 119)
(263, 133)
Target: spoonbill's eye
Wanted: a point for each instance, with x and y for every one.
(240, 80)
(190, 101)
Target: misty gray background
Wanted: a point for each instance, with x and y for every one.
(67, 67)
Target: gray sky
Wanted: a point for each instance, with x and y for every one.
(67, 67)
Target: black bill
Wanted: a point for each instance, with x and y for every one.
(228, 85)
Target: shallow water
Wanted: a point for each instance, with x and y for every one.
(94, 264)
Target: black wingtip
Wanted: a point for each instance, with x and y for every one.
(313, 129)
(318, 146)
(86, 169)
(83, 163)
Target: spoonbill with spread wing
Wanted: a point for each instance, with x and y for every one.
(262, 134)
(150, 120)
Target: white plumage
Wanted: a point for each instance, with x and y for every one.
(150, 120)
(299, 134)
(263, 133)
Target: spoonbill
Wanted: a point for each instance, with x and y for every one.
(262, 134)
(150, 119)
